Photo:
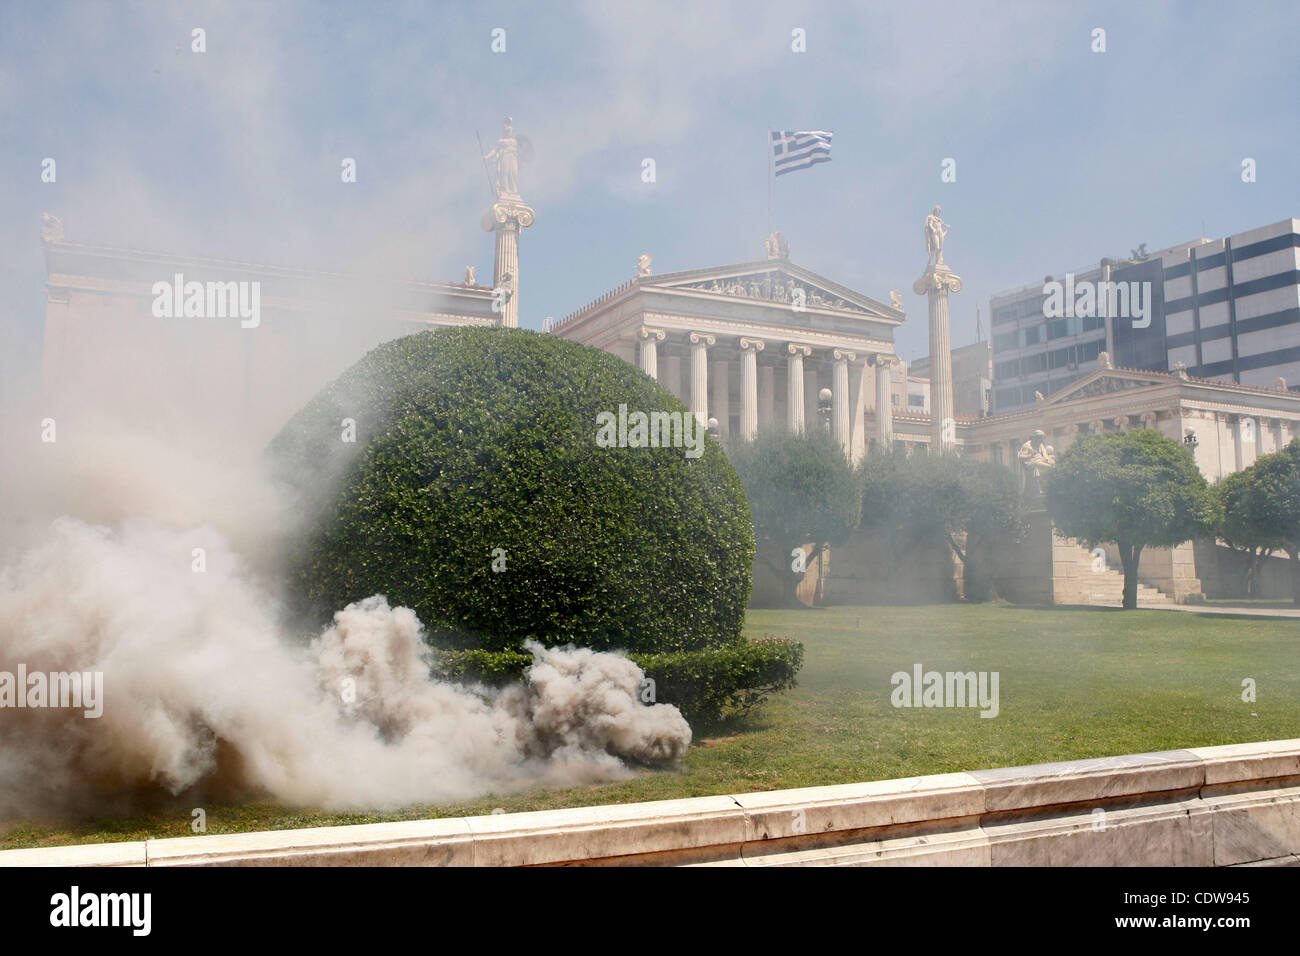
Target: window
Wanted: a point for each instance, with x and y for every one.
(1008, 369)
(1007, 340)
(1058, 329)
(1093, 322)
(1034, 334)
(917, 400)
(1060, 358)
(1004, 314)
(1089, 351)
(1033, 363)
(894, 397)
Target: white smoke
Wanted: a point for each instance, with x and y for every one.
(202, 693)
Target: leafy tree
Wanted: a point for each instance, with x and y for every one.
(1275, 499)
(1246, 525)
(1137, 489)
(800, 488)
(967, 503)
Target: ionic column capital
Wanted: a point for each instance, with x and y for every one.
(844, 355)
(646, 332)
(796, 348)
(755, 345)
(702, 338)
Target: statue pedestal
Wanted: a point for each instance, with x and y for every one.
(935, 284)
(1044, 568)
(507, 218)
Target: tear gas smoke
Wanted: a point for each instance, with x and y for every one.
(203, 693)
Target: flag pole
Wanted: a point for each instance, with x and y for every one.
(768, 150)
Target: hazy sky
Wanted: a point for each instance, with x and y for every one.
(1063, 155)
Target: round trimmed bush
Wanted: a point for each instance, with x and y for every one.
(475, 493)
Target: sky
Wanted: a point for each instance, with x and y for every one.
(1062, 154)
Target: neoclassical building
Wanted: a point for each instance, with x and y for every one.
(106, 350)
(754, 344)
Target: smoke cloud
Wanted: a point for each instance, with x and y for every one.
(203, 693)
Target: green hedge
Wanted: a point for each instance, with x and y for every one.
(706, 685)
(475, 439)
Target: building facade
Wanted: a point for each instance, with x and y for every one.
(754, 344)
(108, 351)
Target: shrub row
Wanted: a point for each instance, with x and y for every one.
(707, 685)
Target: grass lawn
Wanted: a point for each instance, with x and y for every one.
(1074, 683)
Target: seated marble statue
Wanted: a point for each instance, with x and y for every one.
(1035, 457)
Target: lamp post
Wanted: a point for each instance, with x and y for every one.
(824, 398)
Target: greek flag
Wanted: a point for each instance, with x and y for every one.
(800, 149)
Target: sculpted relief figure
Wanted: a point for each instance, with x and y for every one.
(1035, 457)
(643, 264)
(936, 230)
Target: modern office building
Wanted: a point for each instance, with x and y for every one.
(1035, 355)
(1224, 309)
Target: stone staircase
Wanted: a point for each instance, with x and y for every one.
(1106, 587)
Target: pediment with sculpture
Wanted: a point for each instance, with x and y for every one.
(1103, 385)
(776, 286)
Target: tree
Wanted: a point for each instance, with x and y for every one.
(1275, 498)
(801, 489)
(1246, 525)
(975, 501)
(966, 503)
(1137, 489)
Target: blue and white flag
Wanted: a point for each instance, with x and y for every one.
(800, 149)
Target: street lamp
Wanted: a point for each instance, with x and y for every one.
(712, 429)
(824, 407)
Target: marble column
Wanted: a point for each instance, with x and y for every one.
(749, 349)
(811, 403)
(859, 389)
(700, 343)
(648, 340)
(720, 403)
(935, 284)
(507, 218)
(884, 399)
(794, 385)
(840, 392)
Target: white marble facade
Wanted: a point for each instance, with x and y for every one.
(753, 345)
